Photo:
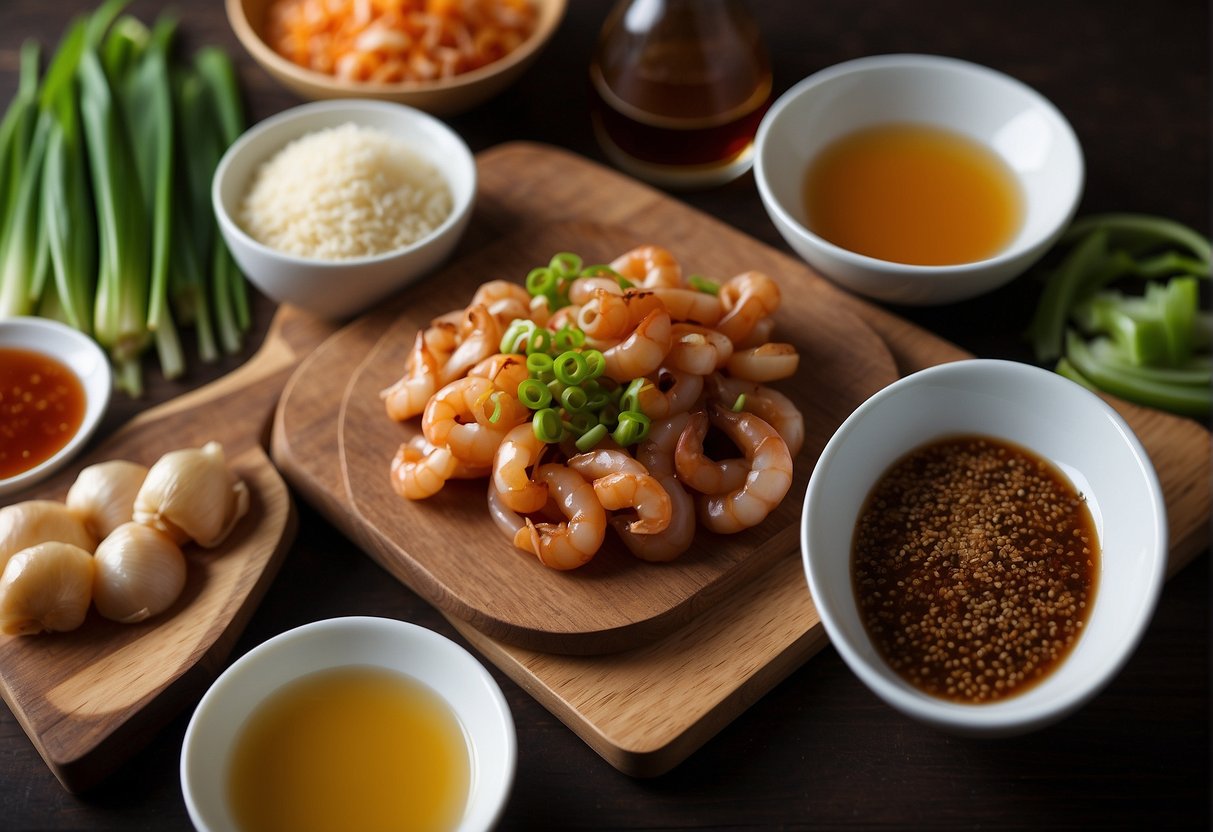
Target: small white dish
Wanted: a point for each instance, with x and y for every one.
(431, 659)
(338, 289)
(82, 356)
(1055, 418)
(1012, 119)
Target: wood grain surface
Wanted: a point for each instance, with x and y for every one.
(92, 697)
(646, 708)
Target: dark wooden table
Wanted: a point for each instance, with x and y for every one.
(818, 751)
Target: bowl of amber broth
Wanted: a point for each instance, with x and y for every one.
(55, 385)
(985, 542)
(917, 179)
(350, 723)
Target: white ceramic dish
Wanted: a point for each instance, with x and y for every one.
(1020, 125)
(424, 655)
(336, 289)
(1048, 414)
(82, 356)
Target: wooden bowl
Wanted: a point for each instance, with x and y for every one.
(443, 97)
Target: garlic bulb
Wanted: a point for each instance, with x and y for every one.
(140, 573)
(190, 494)
(103, 495)
(45, 587)
(39, 521)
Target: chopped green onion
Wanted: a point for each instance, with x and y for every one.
(516, 334)
(702, 284)
(579, 421)
(575, 400)
(495, 398)
(565, 264)
(534, 394)
(571, 367)
(633, 427)
(539, 342)
(539, 365)
(590, 439)
(630, 400)
(595, 361)
(568, 337)
(546, 425)
(542, 281)
(739, 405)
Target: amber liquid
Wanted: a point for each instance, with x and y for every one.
(913, 194)
(42, 405)
(684, 98)
(350, 748)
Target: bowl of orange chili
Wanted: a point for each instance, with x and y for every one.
(55, 385)
(443, 58)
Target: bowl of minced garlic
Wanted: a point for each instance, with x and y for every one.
(985, 542)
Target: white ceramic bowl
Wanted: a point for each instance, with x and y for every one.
(336, 289)
(81, 355)
(1012, 119)
(422, 654)
(1058, 420)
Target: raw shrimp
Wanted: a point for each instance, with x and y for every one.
(673, 392)
(649, 266)
(698, 349)
(621, 482)
(418, 474)
(766, 484)
(656, 454)
(697, 469)
(747, 298)
(641, 352)
(773, 407)
(562, 317)
(690, 305)
(408, 396)
(768, 362)
(759, 335)
(518, 451)
(572, 543)
(450, 419)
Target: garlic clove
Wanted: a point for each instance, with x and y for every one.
(140, 573)
(189, 494)
(31, 522)
(45, 587)
(103, 495)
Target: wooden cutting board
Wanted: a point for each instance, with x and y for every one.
(91, 698)
(447, 548)
(645, 709)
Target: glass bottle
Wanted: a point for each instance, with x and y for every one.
(679, 88)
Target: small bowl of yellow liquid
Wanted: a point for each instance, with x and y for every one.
(350, 723)
(917, 179)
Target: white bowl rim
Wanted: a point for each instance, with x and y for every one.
(72, 348)
(462, 202)
(911, 60)
(999, 717)
(488, 816)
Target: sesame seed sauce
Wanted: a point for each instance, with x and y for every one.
(974, 564)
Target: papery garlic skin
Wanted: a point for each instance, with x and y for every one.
(46, 587)
(103, 495)
(32, 522)
(190, 494)
(140, 573)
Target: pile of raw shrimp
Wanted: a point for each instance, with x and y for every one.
(585, 394)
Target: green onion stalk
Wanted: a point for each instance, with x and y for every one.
(1150, 346)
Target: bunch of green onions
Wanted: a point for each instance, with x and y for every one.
(105, 169)
(566, 390)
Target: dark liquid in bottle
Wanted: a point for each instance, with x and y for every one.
(684, 97)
